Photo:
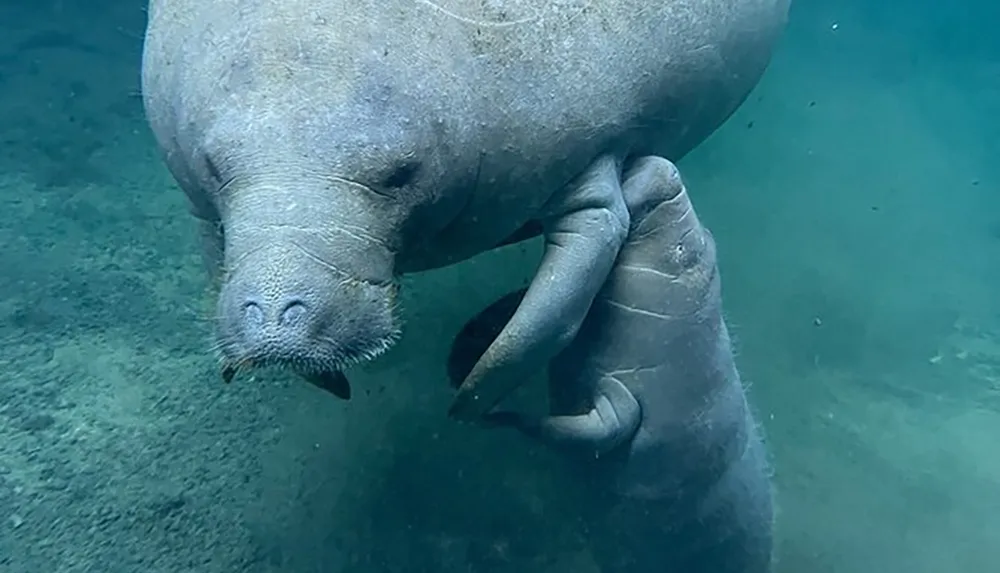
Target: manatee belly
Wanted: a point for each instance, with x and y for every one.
(725, 526)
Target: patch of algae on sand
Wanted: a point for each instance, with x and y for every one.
(972, 353)
(91, 394)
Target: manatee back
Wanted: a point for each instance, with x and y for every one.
(506, 99)
(662, 73)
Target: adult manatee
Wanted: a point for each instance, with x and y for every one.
(649, 400)
(329, 146)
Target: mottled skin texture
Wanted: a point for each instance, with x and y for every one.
(330, 146)
(649, 400)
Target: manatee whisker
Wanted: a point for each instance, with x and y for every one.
(219, 345)
(231, 369)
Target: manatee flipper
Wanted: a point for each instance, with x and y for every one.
(585, 225)
(478, 333)
(613, 421)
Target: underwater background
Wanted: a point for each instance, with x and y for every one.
(855, 199)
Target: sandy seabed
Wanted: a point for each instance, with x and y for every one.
(855, 201)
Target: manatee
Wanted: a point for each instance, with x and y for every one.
(648, 401)
(329, 147)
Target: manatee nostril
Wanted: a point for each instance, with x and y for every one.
(253, 313)
(293, 312)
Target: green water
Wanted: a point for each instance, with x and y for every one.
(854, 198)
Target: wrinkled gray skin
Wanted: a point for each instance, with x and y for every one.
(649, 398)
(329, 146)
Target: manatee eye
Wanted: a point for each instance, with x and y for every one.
(402, 175)
(213, 171)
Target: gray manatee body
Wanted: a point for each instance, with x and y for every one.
(649, 400)
(330, 146)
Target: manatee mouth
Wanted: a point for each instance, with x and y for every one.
(335, 381)
(327, 374)
(315, 333)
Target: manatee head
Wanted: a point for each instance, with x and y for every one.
(312, 229)
(316, 200)
(324, 152)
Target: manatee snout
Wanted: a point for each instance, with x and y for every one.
(281, 306)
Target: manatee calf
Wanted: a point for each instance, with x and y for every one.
(330, 146)
(649, 399)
